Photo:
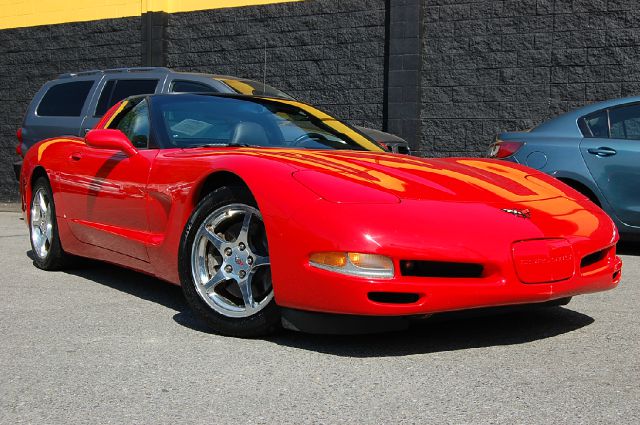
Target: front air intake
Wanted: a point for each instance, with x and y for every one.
(594, 258)
(394, 297)
(442, 269)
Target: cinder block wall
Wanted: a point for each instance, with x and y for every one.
(482, 66)
(31, 56)
(325, 52)
(489, 66)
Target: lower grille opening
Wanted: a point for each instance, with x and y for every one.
(615, 275)
(394, 297)
(593, 258)
(440, 269)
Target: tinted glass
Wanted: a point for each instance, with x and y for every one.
(181, 86)
(625, 122)
(197, 120)
(116, 90)
(65, 100)
(105, 98)
(255, 88)
(135, 124)
(597, 124)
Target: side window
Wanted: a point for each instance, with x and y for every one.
(595, 125)
(116, 90)
(625, 122)
(64, 100)
(135, 124)
(182, 86)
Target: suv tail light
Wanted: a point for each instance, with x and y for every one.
(502, 149)
(19, 136)
(385, 146)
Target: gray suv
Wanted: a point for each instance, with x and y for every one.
(74, 103)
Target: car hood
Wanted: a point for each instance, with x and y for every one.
(454, 179)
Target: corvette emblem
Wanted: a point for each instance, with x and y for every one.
(518, 213)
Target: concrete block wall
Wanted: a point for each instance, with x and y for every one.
(482, 66)
(325, 52)
(31, 56)
(489, 66)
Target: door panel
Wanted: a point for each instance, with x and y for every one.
(107, 199)
(615, 167)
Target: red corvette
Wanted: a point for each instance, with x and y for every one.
(271, 212)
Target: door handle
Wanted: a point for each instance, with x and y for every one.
(75, 156)
(602, 151)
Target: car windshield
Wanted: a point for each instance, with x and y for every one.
(192, 120)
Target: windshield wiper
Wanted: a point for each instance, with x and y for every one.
(225, 145)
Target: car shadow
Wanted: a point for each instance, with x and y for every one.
(446, 332)
(128, 281)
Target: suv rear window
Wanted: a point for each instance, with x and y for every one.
(64, 100)
(116, 90)
(183, 86)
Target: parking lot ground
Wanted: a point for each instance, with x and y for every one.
(100, 344)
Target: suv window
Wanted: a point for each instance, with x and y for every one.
(135, 125)
(64, 100)
(182, 86)
(625, 122)
(116, 90)
(597, 125)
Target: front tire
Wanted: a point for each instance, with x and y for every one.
(224, 265)
(43, 229)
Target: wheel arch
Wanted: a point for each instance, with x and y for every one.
(582, 188)
(37, 172)
(216, 180)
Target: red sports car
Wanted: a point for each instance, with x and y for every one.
(269, 212)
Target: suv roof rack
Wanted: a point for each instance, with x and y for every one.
(116, 70)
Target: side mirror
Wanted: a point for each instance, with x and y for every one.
(110, 139)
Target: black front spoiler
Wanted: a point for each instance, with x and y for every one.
(340, 324)
(347, 324)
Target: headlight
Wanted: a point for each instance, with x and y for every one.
(354, 264)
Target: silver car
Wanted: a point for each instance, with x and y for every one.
(594, 149)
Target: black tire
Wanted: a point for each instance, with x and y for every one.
(53, 256)
(263, 322)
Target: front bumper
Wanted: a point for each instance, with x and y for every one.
(346, 295)
(499, 285)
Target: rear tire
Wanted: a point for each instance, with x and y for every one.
(43, 229)
(224, 265)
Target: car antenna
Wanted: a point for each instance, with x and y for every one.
(264, 69)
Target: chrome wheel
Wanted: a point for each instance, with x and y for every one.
(41, 223)
(230, 261)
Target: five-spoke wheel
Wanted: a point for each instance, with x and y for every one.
(43, 228)
(229, 261)
(41, 224)
(224, 263)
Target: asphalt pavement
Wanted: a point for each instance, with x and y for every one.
(99, 344)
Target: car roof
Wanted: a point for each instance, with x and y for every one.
(151, 70)
(568, 122)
